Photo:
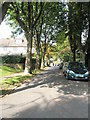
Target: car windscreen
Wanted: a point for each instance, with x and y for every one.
(76, 65)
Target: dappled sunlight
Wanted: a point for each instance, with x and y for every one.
(75, 88)
(48, 95)
(52, 79)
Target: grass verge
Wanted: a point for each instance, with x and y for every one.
(9, 84)
(4, 70)
(13, 82)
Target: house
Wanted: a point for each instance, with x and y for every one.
(13, 46)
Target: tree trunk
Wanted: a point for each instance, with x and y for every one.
(42, 58)
(44, 51)
(3, 10)
(43, 54)
(88, 50)
(28, 62)
(74, 55)
(38, 34)
(42, 62)
(48, 64)
(37, 66)
(73, 46)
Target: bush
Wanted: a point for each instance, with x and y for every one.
(13, 59)
(10, 60)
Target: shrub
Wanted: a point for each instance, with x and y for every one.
(13, 59)
(16, 59)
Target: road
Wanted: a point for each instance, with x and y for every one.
(48, 95)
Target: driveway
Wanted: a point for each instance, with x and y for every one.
(48, 95)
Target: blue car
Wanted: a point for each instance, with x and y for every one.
(76, 71)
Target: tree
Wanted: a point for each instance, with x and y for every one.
(25, 16)
(38, 30)
(3, 10)
(53, 23)
(43, 50)
(71, 26)
(77, 24)
(88, 38)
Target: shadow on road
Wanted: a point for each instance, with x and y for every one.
(53, 78)
(61, 109)
(61, 99)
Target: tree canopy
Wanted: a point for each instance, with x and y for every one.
(63, 23)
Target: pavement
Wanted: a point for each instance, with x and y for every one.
(47, 95)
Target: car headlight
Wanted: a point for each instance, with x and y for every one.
(71, 72)
(87, 73)
(67, 71)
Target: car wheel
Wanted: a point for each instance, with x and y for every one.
(67, 77)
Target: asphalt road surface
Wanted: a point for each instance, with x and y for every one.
(48, 95)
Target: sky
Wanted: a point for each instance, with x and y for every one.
(5, 31)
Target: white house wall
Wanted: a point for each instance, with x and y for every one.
(12, 50)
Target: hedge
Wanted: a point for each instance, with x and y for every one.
(16, 59)
(13, 59)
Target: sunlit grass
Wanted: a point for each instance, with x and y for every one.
(35, 72)
(4, 71)
(14, 80)
(9, 83)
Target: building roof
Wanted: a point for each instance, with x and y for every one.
(11, 42)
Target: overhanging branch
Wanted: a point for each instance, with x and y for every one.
(21, 23)
(41, 9)
(5, 6)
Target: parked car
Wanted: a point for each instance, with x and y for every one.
(65, 66)
(77, 71)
